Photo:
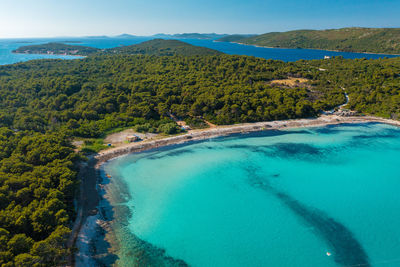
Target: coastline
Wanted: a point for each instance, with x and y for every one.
(196, 135)
(91, 176)
(69, 55)
(320, 49)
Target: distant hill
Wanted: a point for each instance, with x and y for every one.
(373, 40)
(98, 37)
(56, 49)
(125, 35)
(157, 47)
(235, 37)
(163, 48)
(205, 36)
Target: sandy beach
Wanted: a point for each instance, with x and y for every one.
(90, 171)
(195, 135)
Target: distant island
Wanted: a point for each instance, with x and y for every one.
(158, 47)
(204, 36)
(56, 49)
(363, 40)
(98, 37)
(72, 42)
(126, 35)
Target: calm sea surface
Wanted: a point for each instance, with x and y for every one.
(7, 45)
(305, 197)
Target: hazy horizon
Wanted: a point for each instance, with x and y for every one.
(47, 18)
(174, 33)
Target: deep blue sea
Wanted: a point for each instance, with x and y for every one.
(304, 197)
(7, 45)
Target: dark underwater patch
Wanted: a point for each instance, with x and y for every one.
(334, 128)
(365, 136)
(298, 151)
(345, 248)
(144, 253)
(296, 148)
(172, 153)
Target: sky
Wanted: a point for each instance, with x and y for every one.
(52, 18)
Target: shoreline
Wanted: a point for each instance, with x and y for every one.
(320, 49)
(90, 174)
(45, 54)
(219, 131)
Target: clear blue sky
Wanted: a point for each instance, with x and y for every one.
(42, 18)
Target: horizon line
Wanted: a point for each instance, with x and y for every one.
(151, 35)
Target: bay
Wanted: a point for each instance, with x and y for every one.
(303, 197)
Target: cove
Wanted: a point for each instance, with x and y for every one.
(273, 198)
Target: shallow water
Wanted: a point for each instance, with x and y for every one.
(277, 198)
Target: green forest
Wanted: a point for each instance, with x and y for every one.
(372, 40)
(44, 104)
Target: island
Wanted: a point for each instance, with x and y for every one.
(57, 49)
(204, 36)
(126, 36)
(363, 40)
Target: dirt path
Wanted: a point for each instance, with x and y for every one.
(211, 125)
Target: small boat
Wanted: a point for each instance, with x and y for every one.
(328, 253)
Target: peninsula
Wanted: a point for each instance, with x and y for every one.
(363, 40)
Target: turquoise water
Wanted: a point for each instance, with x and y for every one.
(277, 198)
(7, 45)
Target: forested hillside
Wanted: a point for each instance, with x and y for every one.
(46, 103)
(373, 85)
(372, 40)
(162, 47)
(235, 37)
(89, 96)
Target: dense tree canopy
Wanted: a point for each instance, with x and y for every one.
(87, 97)
(37, 186)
